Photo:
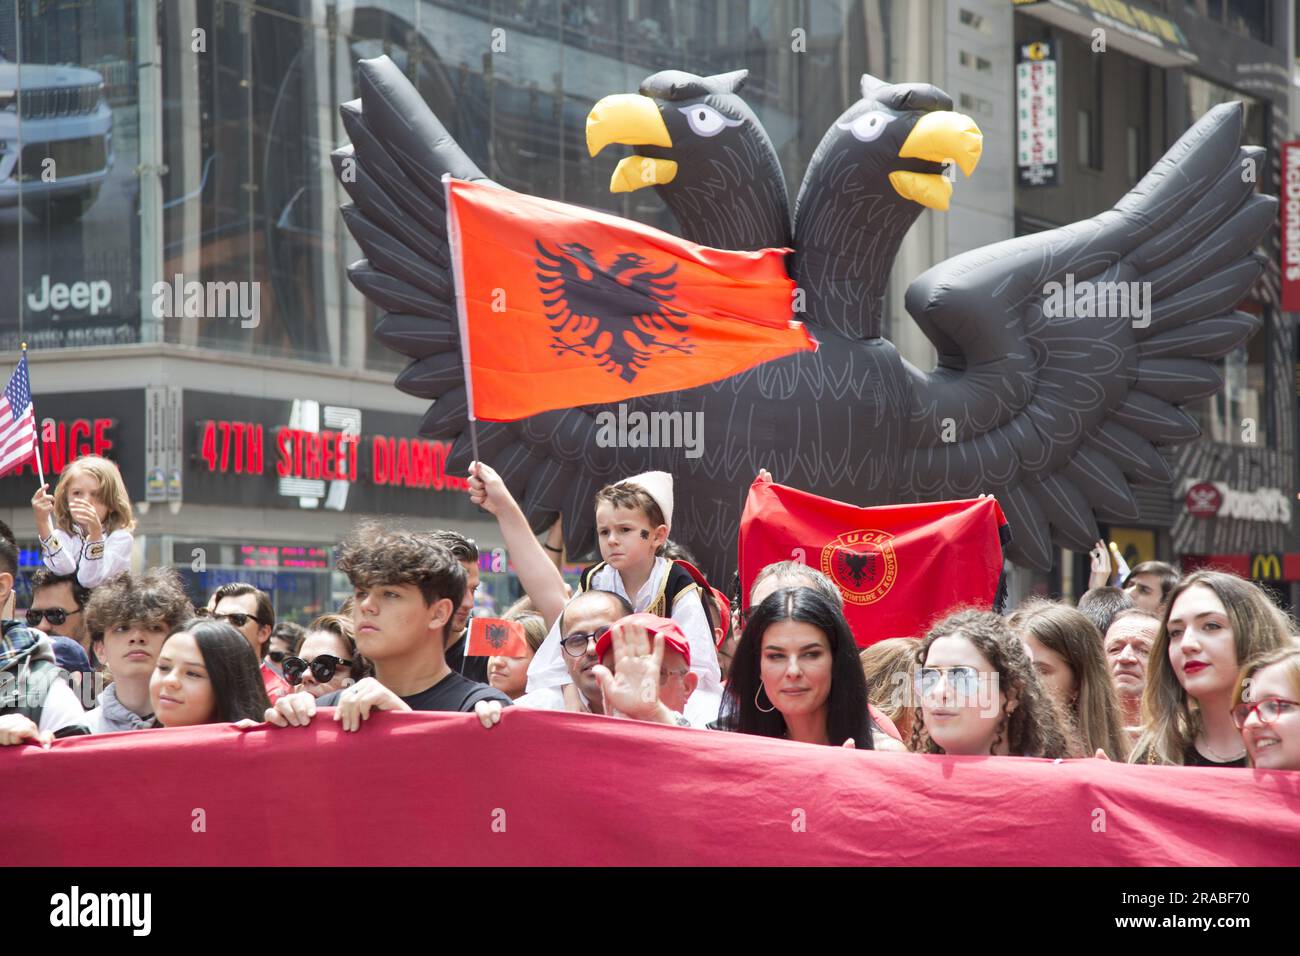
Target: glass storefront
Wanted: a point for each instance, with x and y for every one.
(69, 151)
(208, 155)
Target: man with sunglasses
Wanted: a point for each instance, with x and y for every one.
(58, 610)
(582, 623)
(248, 610)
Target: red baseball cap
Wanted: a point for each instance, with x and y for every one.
(671, 631)
(724, 608)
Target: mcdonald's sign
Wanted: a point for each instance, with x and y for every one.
(1266, 567)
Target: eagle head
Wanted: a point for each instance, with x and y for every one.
(906, 141)
(677, 119)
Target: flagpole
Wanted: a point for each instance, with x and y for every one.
(36, 447)
(453, 241)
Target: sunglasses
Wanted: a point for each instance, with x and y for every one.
(55, 615)
(963, 679)
(575, 645)
(237, 619)
(278, 657)
(1268, 710)
(322, 667)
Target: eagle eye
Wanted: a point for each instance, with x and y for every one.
(868, 126)
(705, 120)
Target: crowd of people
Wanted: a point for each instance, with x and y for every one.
(1197, 670)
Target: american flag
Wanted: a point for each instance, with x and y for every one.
(17, 420)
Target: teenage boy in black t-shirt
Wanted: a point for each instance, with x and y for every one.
(406, 592)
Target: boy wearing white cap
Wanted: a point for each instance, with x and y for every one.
(633, 519)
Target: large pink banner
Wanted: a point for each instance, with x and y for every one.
(564, 789)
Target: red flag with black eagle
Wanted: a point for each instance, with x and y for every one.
(899, 567)
(562, 306)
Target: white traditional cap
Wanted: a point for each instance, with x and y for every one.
(659, 486)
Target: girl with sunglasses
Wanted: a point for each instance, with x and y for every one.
(979, 694)
(796, 674)
(326, 658)
(1214, 622)
(206, 675)
(1266, 709)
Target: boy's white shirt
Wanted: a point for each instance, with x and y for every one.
(548, 669)
(64, 554)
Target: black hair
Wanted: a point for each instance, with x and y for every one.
(461, 547)
(43, 578)
(8, 551)
(846, 705)
(288, 631)
(233, 668)
(265, 610)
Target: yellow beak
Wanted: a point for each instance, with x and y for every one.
(628, 118)
(633, 120)
(929, 189)
(634, 172)
(943, 137)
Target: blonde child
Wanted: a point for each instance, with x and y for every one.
(633, 520)
(85, 526)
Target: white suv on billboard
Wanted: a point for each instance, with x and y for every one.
(64, 118)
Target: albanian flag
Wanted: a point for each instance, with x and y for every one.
(900, 567)
(563, 306)
(494, 637)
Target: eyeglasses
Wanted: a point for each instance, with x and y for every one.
(575, 645)
(664, 674)
(55, 615)
(237, 619)
(322, 667)
(1268, 710)
(963, 679)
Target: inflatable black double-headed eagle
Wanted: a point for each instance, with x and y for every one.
(1053, 410)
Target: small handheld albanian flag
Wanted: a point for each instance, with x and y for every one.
(493, 637)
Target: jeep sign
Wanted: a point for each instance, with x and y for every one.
(94, 296)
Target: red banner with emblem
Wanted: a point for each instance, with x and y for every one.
(899, 567)
(420, 789)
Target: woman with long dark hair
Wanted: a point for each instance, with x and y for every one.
(207, 674)
(796, 674)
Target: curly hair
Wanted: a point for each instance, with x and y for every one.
(154, 598)
(373, 555)
(1169, 721)
(1094, 715)
(1032, 727)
